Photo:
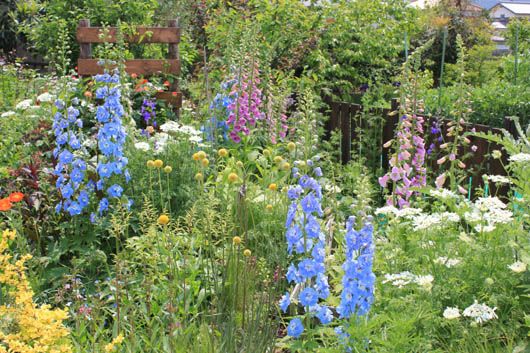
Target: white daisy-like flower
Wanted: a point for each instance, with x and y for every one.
(427, 221)
(400, 279)
(518, 267)
(7, 114)
(480, 312)
(451, 313)
(425, 281)
(142, 146)
(484, 228)
(520, 158)
(23, 105)
(45, 98)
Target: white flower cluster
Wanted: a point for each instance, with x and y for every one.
(161, 140)
(398, 213)
(25, 104)
(403, 278)
(497, 179)
(451, 313)
(480, 312)
(487, 212)
(447, 262)
(426, 221)
(518, 267)
(7, 114)
(443, 194)
(520, 158)
(172, 127)
(142, 146)
(45, 98)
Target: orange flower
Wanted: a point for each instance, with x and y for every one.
(166, 83)
(133, 75)
(143, 81)
(174, 94)
(16, 197)
(5, 204)
(88, 94)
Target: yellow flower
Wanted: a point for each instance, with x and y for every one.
(201, 155)
(150, 164)
(158, 163)
(199, 176)
(247, 252)
(168, 169)
(239, 164)
(278, 159)
(222, 152)
(301, 164)
(273, 187)
(163, 220)
(266, 152)
(236, 240)
(232, 177)
(205, 162)
(269, 207)
(195, 156)
(286, 166)
(291, 146)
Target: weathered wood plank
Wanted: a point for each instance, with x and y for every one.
(142, 67)
(172, 98)
(143, 35)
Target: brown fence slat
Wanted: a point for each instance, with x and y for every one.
(142, 35)
(143, 67)
(345, 127)
(173, 99)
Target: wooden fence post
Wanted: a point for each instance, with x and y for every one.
(391, 118)
(345, 129)
(85, 49)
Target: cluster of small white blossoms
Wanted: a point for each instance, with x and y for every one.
(172, 127)
(487, 212)
(497, 179)
(518, 267)
(447, 262)
(398, 213)
(520, 158)
(404, 278)
(443, 194)
(478, 312)
(426, 221)
(7, 114)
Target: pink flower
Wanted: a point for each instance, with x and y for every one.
(440, 180)
(383, 181)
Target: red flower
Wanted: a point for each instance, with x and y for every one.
(5, 204)
(166, 83)
(16, 197)
(174, 94)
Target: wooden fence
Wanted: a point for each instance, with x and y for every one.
(347, 118)
(86, 65)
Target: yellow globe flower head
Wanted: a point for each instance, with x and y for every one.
(291, 146)
(302, 164)
(239, 164)
(195, 156)
(205, 162)
(247, 253)
(201, 155)
(150, 164)
(269, 207)
(278, 159)
(236, 240)
(286, 166)
(158, 163)
(163, 220)
(273, 187)
(199, 176)
(168, 169)
(267, 152)
(223, 152)
(285, 189)
(233, 177)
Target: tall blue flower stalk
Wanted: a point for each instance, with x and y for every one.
(220, 110)
(305, 238)
(148, 112)
(358, 281)
(70, 168)
(111, 138)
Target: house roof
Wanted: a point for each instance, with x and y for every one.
(488, 4)
(517, 8)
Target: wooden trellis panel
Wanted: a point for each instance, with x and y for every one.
(170, 35)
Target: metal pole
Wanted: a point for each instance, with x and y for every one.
(441, 83)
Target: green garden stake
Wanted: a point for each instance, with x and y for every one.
(469, 188)
(486, 190)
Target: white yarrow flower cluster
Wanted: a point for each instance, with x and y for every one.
(487, 212)
(7, 114)
(427, 221)
(451, 313)
(398, 213)
(520, 158)
(447, 262)
(23, 105)
(480, 312)
(497, 179)
(404, 278)
(45, 98)
(172, 127)
(443, 194)
(142, 146)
